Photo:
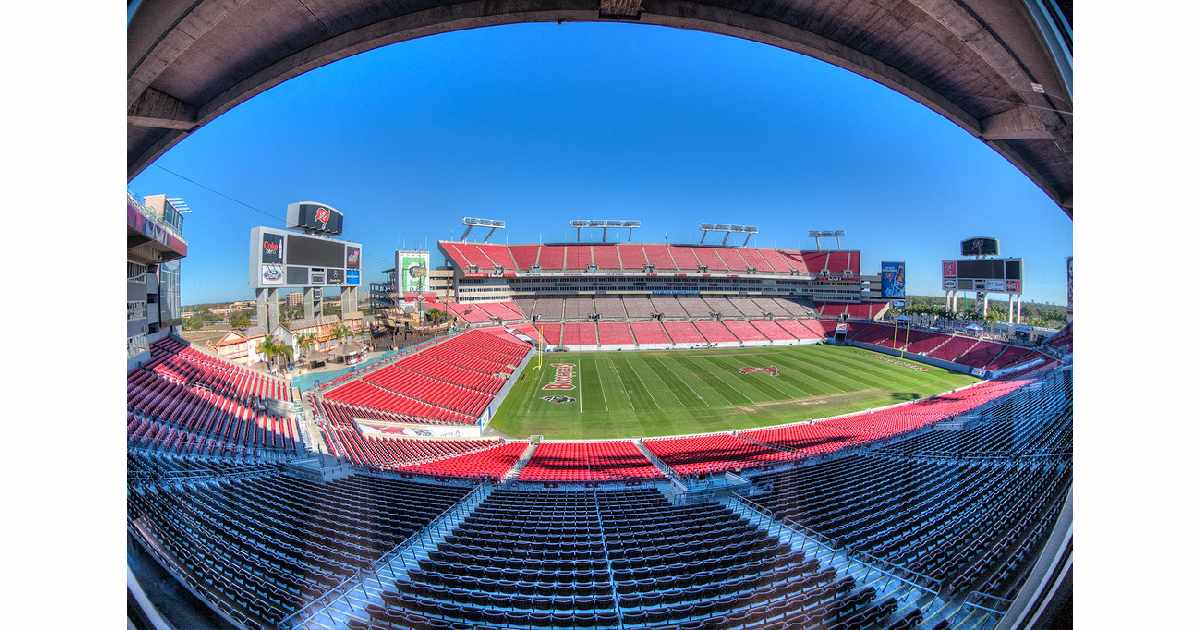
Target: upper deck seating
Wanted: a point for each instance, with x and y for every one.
(579, 257)
(606, 257)
(633, 257)
(525, 256)
(660, 257)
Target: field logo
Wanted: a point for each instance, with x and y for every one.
(773, 371)
(323, 217)
(559, 399)
(563, 377)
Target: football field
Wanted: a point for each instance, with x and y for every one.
(593, 395)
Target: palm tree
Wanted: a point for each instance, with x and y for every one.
(306, 341)
(341, 332)
(272, 350)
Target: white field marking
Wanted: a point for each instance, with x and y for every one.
(685, 382)
(600, 382)
(630, 396)
(651, 391)
(579, 364)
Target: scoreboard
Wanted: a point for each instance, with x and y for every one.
(279, 258)
(994, 275)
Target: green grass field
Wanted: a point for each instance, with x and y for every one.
(643, 394)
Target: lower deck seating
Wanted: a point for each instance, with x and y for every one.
(649, 333)
(614, 334)
(588, 461)
(683, 333)
(260, 546)
(715, 332)
(491, 463)
(579, 334)
(744, 331)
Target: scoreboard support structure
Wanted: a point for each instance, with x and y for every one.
(266, 304)
(984, 275)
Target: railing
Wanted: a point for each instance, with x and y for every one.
(150, 216)
(403, 551)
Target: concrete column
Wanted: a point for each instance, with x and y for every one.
(260, 307)
(983, 311)
(310, 299)
(1018, 309)
(349, 299)
(1010, 308)
(266, 308)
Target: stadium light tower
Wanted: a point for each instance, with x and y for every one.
(727, 229)
(835, 234)
(604, 225)
(472, 222)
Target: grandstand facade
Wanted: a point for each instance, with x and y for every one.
(155, 245)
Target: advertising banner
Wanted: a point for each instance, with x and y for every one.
(272, 274)
(272, 249)
(352, 276)
(353, 257)
(949, 284)
(1013, 286)
(412, 270)
(891, 277)
(335, 276)
(994, 285)
(949, 268)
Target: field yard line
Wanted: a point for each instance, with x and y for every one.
(813, 372)
(869, 366)
(667, 369)
(611, 368)
(579, 364)
(600, 382)
(649, 390)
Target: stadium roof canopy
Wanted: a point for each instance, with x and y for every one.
(984, 64)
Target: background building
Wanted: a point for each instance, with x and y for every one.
(154, 249)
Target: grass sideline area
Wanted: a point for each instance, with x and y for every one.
(671, 392)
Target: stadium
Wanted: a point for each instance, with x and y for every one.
(604, 434)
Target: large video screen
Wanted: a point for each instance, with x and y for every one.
(317, 252)
(981, 246)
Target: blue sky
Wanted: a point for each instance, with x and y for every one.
(538, 124)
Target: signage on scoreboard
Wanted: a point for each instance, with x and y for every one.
(980, 246)
(313, 216)
(1013, 286)
(949, 268)
(272, 248)
(352, 276)
(891, 278)
(272, 274)
(279, 258)
(994, 285)
(949, 284)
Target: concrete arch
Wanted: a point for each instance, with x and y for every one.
(983, 64)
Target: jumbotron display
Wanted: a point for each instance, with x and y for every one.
(1002, 275)
(286, 259)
